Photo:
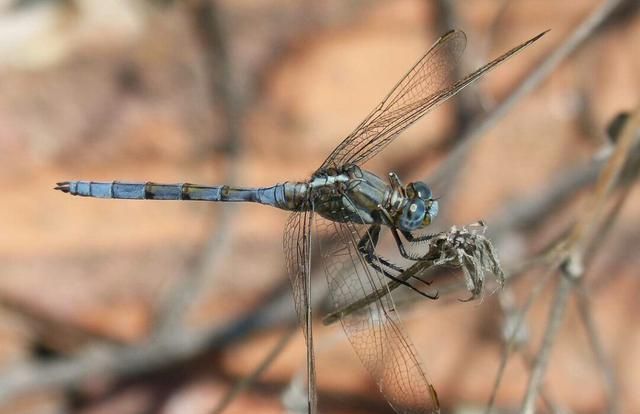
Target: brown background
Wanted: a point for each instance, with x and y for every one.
(130, 90)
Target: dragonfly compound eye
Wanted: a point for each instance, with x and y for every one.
(432, 212)
(413, 215)
(420, 190)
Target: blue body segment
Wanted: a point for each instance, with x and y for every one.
(287, 196)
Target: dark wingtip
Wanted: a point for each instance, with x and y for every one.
(541, 34)
(62, 186)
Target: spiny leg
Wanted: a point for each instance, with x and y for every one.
(367, 245)
(417, 239)
(384, 213)
(386, 216)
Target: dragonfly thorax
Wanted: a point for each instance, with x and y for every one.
(356, 195)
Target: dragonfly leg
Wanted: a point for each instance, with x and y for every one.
(410, 239)
(396, 184)
(396, 237)
(417, 239)
(394, 230)
(367, 246)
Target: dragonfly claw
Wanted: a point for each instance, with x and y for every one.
(62, 186)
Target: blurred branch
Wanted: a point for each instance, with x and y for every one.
(530, 210)
(570, 265)
(447, 173)
(246, 382)
(51, 332)
(209, 26)
(512, 336)
(125, 361)
(552, 407)
(571, 251)
(466, 105)
(542, 358)
(627, 177)
(584, 228)
(610, 383)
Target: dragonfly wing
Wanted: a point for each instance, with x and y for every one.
(432, 73)
(374, 330)
(297, 244)
(429, 83)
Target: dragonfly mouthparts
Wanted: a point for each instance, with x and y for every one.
(62, 186)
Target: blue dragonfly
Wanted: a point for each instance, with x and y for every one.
(348, 206)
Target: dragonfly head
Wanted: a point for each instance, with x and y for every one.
(420, 208)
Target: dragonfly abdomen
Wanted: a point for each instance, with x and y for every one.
(287, 196)
(140, 191)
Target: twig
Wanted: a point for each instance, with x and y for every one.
(246, 382)
(526, 211)
(125, 361)
(610, 383)
(467, 105)
(544, 395)
(608, 224)
(511, 341)
(449, 170)
(542, 358)
(583, 230)
(571, 251)
(209, 23)
(629, 175)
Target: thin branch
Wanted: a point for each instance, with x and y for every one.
(571, 250)
(544, 395)
(449, 170)
(247, 381)
(569, 253)
(542, 358)
(610, 383)
(530, 210)
(627, 180)
(209, 24)
(467, 105)
(583, 230)
(125, 361)
(511, 341)
(629, 175)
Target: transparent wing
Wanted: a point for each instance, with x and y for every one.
(297, 244)
(429, 83)
(374, 330)
(412, 96)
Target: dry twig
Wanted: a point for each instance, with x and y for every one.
(571, 251)
(209, 25)
(448, 172)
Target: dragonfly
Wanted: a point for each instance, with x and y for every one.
(348, 205)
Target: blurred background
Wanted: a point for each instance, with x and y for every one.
(112, 306)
